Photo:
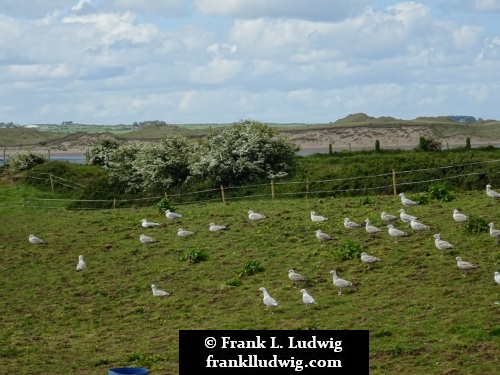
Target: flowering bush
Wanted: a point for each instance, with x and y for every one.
(25, 160)
(102, 153)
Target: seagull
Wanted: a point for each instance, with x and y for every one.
(368, 259)
(158, 292)
(296, 277)
(491, 193)
(371, 229)
(307, 298)
(340, 283)
(268, 300)
(465, 266)
(81, 264)
(317, 218)
(458, 217)
(497, 277)
(405, 217)
(394, 232)
(407, 202)
(149, 224)
(35, 240)
(172, 215)
(184, 233)
(146, 239)
(495, 233)
(323, 237)
(215, 228)
(387, 217)
(348, 224)
(441, 244)
(255, 216)
(417, 225)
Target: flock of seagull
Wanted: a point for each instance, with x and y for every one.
(365, 258)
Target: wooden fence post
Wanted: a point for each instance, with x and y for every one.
(394, 181)
(49, 154)
(272, 188)
(222, 194)
(24, 204)
(4, 161)
(114, 203)
(51, 182)
(307, 187)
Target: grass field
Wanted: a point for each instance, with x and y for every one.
(424, 317)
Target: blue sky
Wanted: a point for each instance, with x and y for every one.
(209, 61)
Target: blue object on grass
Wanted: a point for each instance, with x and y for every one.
(128, 371)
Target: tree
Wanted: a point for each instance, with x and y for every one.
(245, 151)
(101, 154)
(429, 144)
(25, 160)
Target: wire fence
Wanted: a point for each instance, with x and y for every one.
(471, 176)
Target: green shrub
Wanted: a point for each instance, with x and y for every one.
(440, 193)
(234, 283)
(165, 204)
(251, 267)
(194, 256)
(25, 160)
(347, 250)
(476, 225)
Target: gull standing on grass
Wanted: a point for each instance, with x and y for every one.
(317, 218)
(495, 233)
(459, 217)
(254, 216)
(387, 217)
(184, 233)
(307, 298)
(149, 224)
(323, 237)
(172, 215)
(407, 202)
(145, 239)
(348, 224)
(406, 217)
(81, 264)
(497, 277)
(158, 292)
(215, 228)
(369, 259)
(396, 233)
(465, 266)
(441, 244)
(370, 229)
(491, 193)
(340, 283)
(35, 240)
(417, 225)
(268, 300)
(296, 277)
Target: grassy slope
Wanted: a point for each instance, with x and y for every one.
(423, 316)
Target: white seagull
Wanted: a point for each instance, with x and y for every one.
(296, 277)
(81, 264)
(465, 266)
(417, 225)
(158, 292)
(497, 277)
(149, 224)
(495, 233)
(215, 228)
(172, 215)
(307, 298)
(441, 244)
(491, 193)
(268, 300)
(387, 217)
(348, 224)
(458, 217)
(340, 283)
(323, 237)
(369, 259)
(406, 217)
(396, 233)
(317, 218)
(255, 216)
(371, 229)
(35, 240)
(145, 239)
(407, 202)
(184, 233)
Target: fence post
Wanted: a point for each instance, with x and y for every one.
(4, 161)
(49, 154)
(51, 182)
(272, 188)
(394, 181)
(222, 194)
(166, 195)
(24, 204)
(307, 187)
(114, 203)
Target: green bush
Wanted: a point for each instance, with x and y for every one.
(476, 225)
(440, 193)
(251, 267)
(347, 250)
(25, 160)
(165, 204)
(194, 256)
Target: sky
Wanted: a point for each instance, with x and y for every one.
(221, 61)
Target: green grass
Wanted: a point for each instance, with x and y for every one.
(423, 316)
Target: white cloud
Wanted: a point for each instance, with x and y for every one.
(218, 70)
(164, 8)
(487, 5)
